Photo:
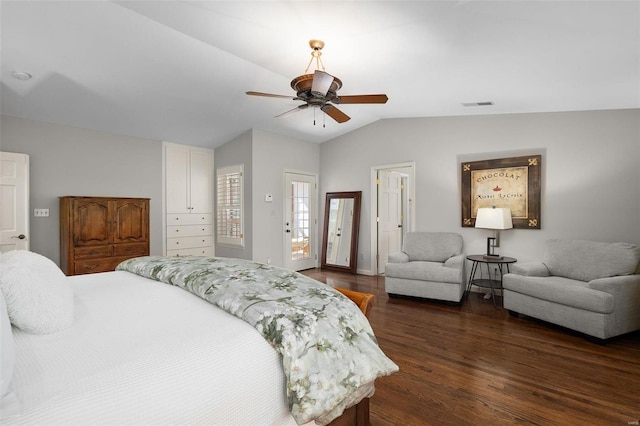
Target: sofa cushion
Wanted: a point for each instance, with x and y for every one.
(423, 271)
(560, 290)
(432, 246)
(589, 260)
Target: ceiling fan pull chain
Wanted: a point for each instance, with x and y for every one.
(314, 116)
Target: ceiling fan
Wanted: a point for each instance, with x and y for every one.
(320, 90)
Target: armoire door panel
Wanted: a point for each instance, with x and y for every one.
(91, 222)
(130, 223)
(201, 181)
(177, 179)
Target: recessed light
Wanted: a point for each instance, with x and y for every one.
(21, 75)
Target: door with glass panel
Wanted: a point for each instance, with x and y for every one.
(300, 222)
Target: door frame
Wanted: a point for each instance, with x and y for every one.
(410, 169)
(24, 217)
(313, 245)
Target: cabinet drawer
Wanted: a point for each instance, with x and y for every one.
(90, 266)
(189, 219)
(189, 242)
(133, 249)
(189, 231)
(92, 251)
(203, 251)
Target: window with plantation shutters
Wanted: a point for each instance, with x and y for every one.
(229, 223)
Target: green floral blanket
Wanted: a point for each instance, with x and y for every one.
(329, 353)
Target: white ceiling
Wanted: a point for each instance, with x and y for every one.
(179, 70)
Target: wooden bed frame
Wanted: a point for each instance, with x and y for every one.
(357, 415)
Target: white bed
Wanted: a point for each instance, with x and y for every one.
(117, 348)
(132, 330)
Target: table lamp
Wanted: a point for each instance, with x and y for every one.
(495, 218)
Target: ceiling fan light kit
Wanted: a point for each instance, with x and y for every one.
(320, 90)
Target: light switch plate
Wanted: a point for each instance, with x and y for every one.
(41, 212)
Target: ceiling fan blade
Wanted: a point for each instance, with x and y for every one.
(270, 95)
(291, 111)
(335, 113)
(361, 99)
(321, 83)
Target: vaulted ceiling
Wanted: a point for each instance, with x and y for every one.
(179, 70)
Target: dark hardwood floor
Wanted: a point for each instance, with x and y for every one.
(473, 364)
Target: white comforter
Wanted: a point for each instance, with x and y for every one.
(133, 356)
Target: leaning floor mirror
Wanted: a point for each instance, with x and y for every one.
(340, 234)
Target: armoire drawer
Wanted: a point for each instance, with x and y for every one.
(201, 251)
(189, 231)
(131, 250)
(189, 242)
(189, 219)
(90, 266)
(89, 252)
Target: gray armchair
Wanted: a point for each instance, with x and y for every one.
(586, 286)
(430, 265)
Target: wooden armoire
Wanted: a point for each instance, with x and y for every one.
(97, 233)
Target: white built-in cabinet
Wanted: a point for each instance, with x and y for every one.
(188, 174)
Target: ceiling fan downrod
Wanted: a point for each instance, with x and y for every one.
(316, 46)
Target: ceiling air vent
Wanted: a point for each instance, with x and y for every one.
(475, 104)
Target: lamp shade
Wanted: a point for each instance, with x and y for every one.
(494, 218)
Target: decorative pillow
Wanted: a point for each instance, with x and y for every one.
(7, 354)
(39, 299)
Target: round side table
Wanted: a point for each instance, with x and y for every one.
(490, 283)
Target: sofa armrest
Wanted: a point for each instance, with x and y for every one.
(624, 286)
(455, 261)
(531, 269)
(399, 257)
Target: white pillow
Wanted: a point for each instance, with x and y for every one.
(7, 354)
(39, 299)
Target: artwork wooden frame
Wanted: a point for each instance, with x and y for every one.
(505, 182)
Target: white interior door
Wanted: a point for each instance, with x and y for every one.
(390, 218)
(14, 201)
(301, 223)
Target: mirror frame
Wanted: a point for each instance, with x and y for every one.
(353, 257)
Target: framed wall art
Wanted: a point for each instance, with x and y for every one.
(505, 182)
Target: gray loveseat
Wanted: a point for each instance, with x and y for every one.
(430, 265)
(587, 286)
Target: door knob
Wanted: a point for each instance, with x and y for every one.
(20, 237)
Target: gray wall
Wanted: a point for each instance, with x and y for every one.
(272, 156)
(235, 152)
(265, 157)
(71, 161)
(590, 187)
(590, 182)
